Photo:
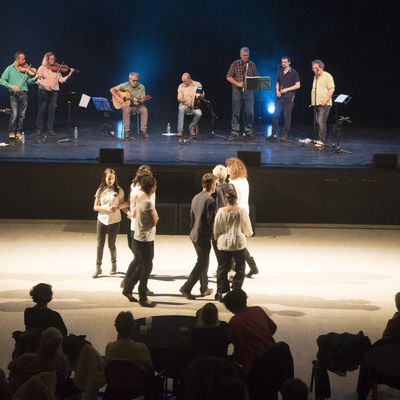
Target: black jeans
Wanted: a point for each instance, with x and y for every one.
(145, 253)
(112, 231)
(47, 103)
(283, 104)
(240, 98)
(131, 277)
(200, 270)
(225, 266)
(321, 118)
(18, 103)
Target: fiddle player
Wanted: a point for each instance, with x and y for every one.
(49, 79)
(187, 96)
(137, 92)
(16, 78)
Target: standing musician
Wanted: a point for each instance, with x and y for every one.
(236, 76)
(189, 94)
(16, 77)
(136, 96)
(49, 79)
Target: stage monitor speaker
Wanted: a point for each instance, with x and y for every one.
(250, 157)
(112, 156)
(384, 160)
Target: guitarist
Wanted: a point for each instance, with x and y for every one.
(133, 103)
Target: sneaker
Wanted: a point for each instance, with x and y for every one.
(187, 294)
(11, 135)
(50, 132)
(147, 303)
(219, 297)
(231, 137)
(319, 143)
(129, 297)
(208, 292)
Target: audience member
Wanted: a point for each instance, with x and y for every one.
(41, 316)
(294, 389)
(125, 347)
(46, 359)
(393, 326)
(251, 328)
(211, 336)
(233, 389)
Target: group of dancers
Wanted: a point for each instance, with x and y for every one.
(219, 217)
(131, 97)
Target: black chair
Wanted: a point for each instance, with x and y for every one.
(126, 381)
(338, 353)
(269, 372)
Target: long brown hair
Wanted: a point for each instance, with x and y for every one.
(45, 61)
(237, 169)
(142, 170)
(103, 184)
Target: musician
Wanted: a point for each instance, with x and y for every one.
(321, 98)
(189, 103)
(48, 92)
(287, 82)
(136, 106)
(236, 76)
(17, 83)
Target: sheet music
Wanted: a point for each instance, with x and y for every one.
(84, 101)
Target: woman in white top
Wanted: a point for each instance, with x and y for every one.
(48, 92)
(108, 199)
(231, 227)
(130, 279)
(238, 177)
(145, 232)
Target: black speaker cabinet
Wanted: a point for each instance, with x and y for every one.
(250, 157)
(112, 156)
(384, 160)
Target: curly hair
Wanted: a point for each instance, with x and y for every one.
(237, 169)
(42, 293)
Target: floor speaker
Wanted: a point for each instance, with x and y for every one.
(112, 156)
(250, 157)
(384, 160)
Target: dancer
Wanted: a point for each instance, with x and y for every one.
(108, 198)
(145, 232)
(129, 282)
(238, 177)
(48, 92)
(231, 227)
(202, 213)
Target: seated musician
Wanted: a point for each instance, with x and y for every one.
(133, 103)
(189, 102)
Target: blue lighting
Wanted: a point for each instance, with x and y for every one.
(119, 134)
(271, 108)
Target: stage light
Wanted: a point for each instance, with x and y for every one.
(120, 130)
(271, 108)
(269, 130)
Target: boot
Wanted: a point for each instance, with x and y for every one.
(253, 267)
(113, 269)
(97, 272)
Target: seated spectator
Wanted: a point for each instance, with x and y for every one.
(40, 386)
(294, 389)
(3, 386)
(125, 347)
(40, 316)
(88, 367)
(393, 326)
(251, 329)
(46, 359)
(233, 389)
(211, 336)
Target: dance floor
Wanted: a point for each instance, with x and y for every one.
(312, 280)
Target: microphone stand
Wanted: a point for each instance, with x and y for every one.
(214, 116)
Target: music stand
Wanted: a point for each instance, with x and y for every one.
(103, 105)
(337, 127)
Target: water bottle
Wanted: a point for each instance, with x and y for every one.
(22, 137)
(76, 133)
(168, 128)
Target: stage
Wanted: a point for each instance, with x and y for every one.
(312, 281)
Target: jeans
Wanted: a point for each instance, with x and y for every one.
(200, 270)
(19, 103)
(185, 110)
(131, 276)
(284, 103)
(47, 102)
(112, 231)
(239, 99)
(145, 253)
(321, 118)
(141, 110)
(225, 266)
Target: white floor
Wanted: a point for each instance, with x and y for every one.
(312, 281)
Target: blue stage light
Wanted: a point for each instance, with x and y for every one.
(271, 108)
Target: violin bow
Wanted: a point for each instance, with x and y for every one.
(22, 78)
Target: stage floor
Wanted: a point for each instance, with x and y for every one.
(312, 281)
(358, 144)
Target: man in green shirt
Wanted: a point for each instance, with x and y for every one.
(17, 83)
(135, 105)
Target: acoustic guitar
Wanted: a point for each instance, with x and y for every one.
(128, 100)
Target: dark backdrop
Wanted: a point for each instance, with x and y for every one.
(162, 39)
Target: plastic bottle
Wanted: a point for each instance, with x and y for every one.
(23, 137)
(76, 133)
(168, 128)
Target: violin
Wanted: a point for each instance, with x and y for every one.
(63, 68)
(27, 69)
